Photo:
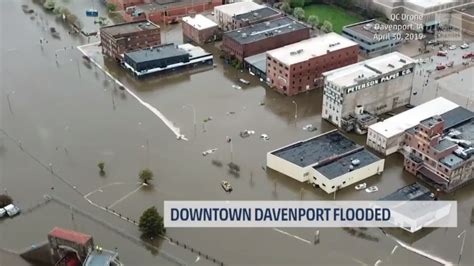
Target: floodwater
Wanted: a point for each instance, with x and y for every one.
(68, 116)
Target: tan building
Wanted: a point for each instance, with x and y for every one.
(126, 37)
(199, 29)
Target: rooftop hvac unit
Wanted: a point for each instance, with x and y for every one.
(244, 35)
(293, 53)
(355, 162)
(299, 51)
(403, 60)
(267, 23)
(390, 65)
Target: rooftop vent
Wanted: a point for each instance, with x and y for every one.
(403, 60)
(390, 65)
(255, 14)
(244, 35)
(267, 23)
(355, 162)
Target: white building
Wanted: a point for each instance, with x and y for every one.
(223, 14)
(386, 137)
(371, 87)
(329, 161)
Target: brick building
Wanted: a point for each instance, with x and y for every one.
(64, 243)
(262, 37)
(167, 11)
(199, 29)
(126, 37)
(123, 4)
(225, 14)
(255, 17)
(439, 150)
(298, 67)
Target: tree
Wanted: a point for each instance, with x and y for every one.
(313, 20)
(101, 166)
(298, 13)
(5, 200)
(297, 3)
(49, 4)
(327, 26)
(151, 223)
(111, 7)
(285, 7)
(145, 175)
(58, 10)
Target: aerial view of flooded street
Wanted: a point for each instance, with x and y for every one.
(88, 145)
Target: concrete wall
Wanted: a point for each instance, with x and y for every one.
(352, 177)
(302, 174)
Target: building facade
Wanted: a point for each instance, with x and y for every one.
(262, 37)
(439, 149)
(63, 241)
(199, 29)
(254, 17)
(354, 95)
(126, 37)
(224, 14)
(373, 36)
(329, 161)
(298, 67)
(387, 137)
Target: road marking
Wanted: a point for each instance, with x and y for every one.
(150, 107)
(124, 197)
(294, 236)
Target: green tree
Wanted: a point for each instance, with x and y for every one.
(111, 7)
(5, 200)
(49, 4)
(298, 13)
(313, 20)
(285, 7)
(101, 166)
(145, 175)
(58, 10)
(151, 223)
(327, 26)
(297, 3)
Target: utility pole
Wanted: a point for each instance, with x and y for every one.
(463, 234)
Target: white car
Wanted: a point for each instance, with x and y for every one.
(205, 153)
(2, 212)
(309, 127)
(464, 46)
(226, 186)
(452, 47)
(372, 189)
(11, 210)
(361, 186)
(265, 137)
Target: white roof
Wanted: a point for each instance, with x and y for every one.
(238, 8)
(307, 49)
(347, 76)
(194, 51)
(199, 22)
(430, 3)
(410, 118)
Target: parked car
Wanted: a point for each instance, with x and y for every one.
(360, 186)
(244, 81)
(464, 46)
(309, 127)
(226, 186)
(11, 210)
(246, 133)
(442, 53)
(450, 64)
(264, 137)
(372, 189)
(440, 67)
(205, 153)
(467, 56)
(433, 42)
(3, 212)
(452, 47)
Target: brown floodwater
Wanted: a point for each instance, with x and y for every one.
(69, 116)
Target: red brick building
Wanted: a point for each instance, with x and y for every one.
(64, 242)
(166, 11)
(298, 67)
(262, 37)
(199, 29)
(126, 37)
(123, 4)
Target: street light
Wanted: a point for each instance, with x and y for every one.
(296, 109)
(463, 234)
(194, 114)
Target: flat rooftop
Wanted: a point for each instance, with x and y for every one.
(157, 5)
(368, 29)
(430, 3)
(193, 51)
(199, 22)
(317, 149)
(259, 61)
(264, 30)
(412, 117)
(456, 116)
(129, 27)
(415, 191)
(345, 164)
(156, 53)
(238, 8)
(310, 48)
(257, 14)
(349, 76)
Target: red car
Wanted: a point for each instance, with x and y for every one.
(440, 67)
(442, 53)
(468, 55)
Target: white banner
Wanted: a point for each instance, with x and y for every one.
(411, 215)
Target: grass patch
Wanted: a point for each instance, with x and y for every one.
(334, 14)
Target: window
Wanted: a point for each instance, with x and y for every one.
(324, 185)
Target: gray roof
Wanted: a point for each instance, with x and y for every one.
(259, 61)
(264, 30)
(452, 160)
(456, 116)
(366, 30)
(415, 191)
(156, 53)
(443, 145)
(129, 27)
(317, 149)
(342, 165)
(257, 14)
